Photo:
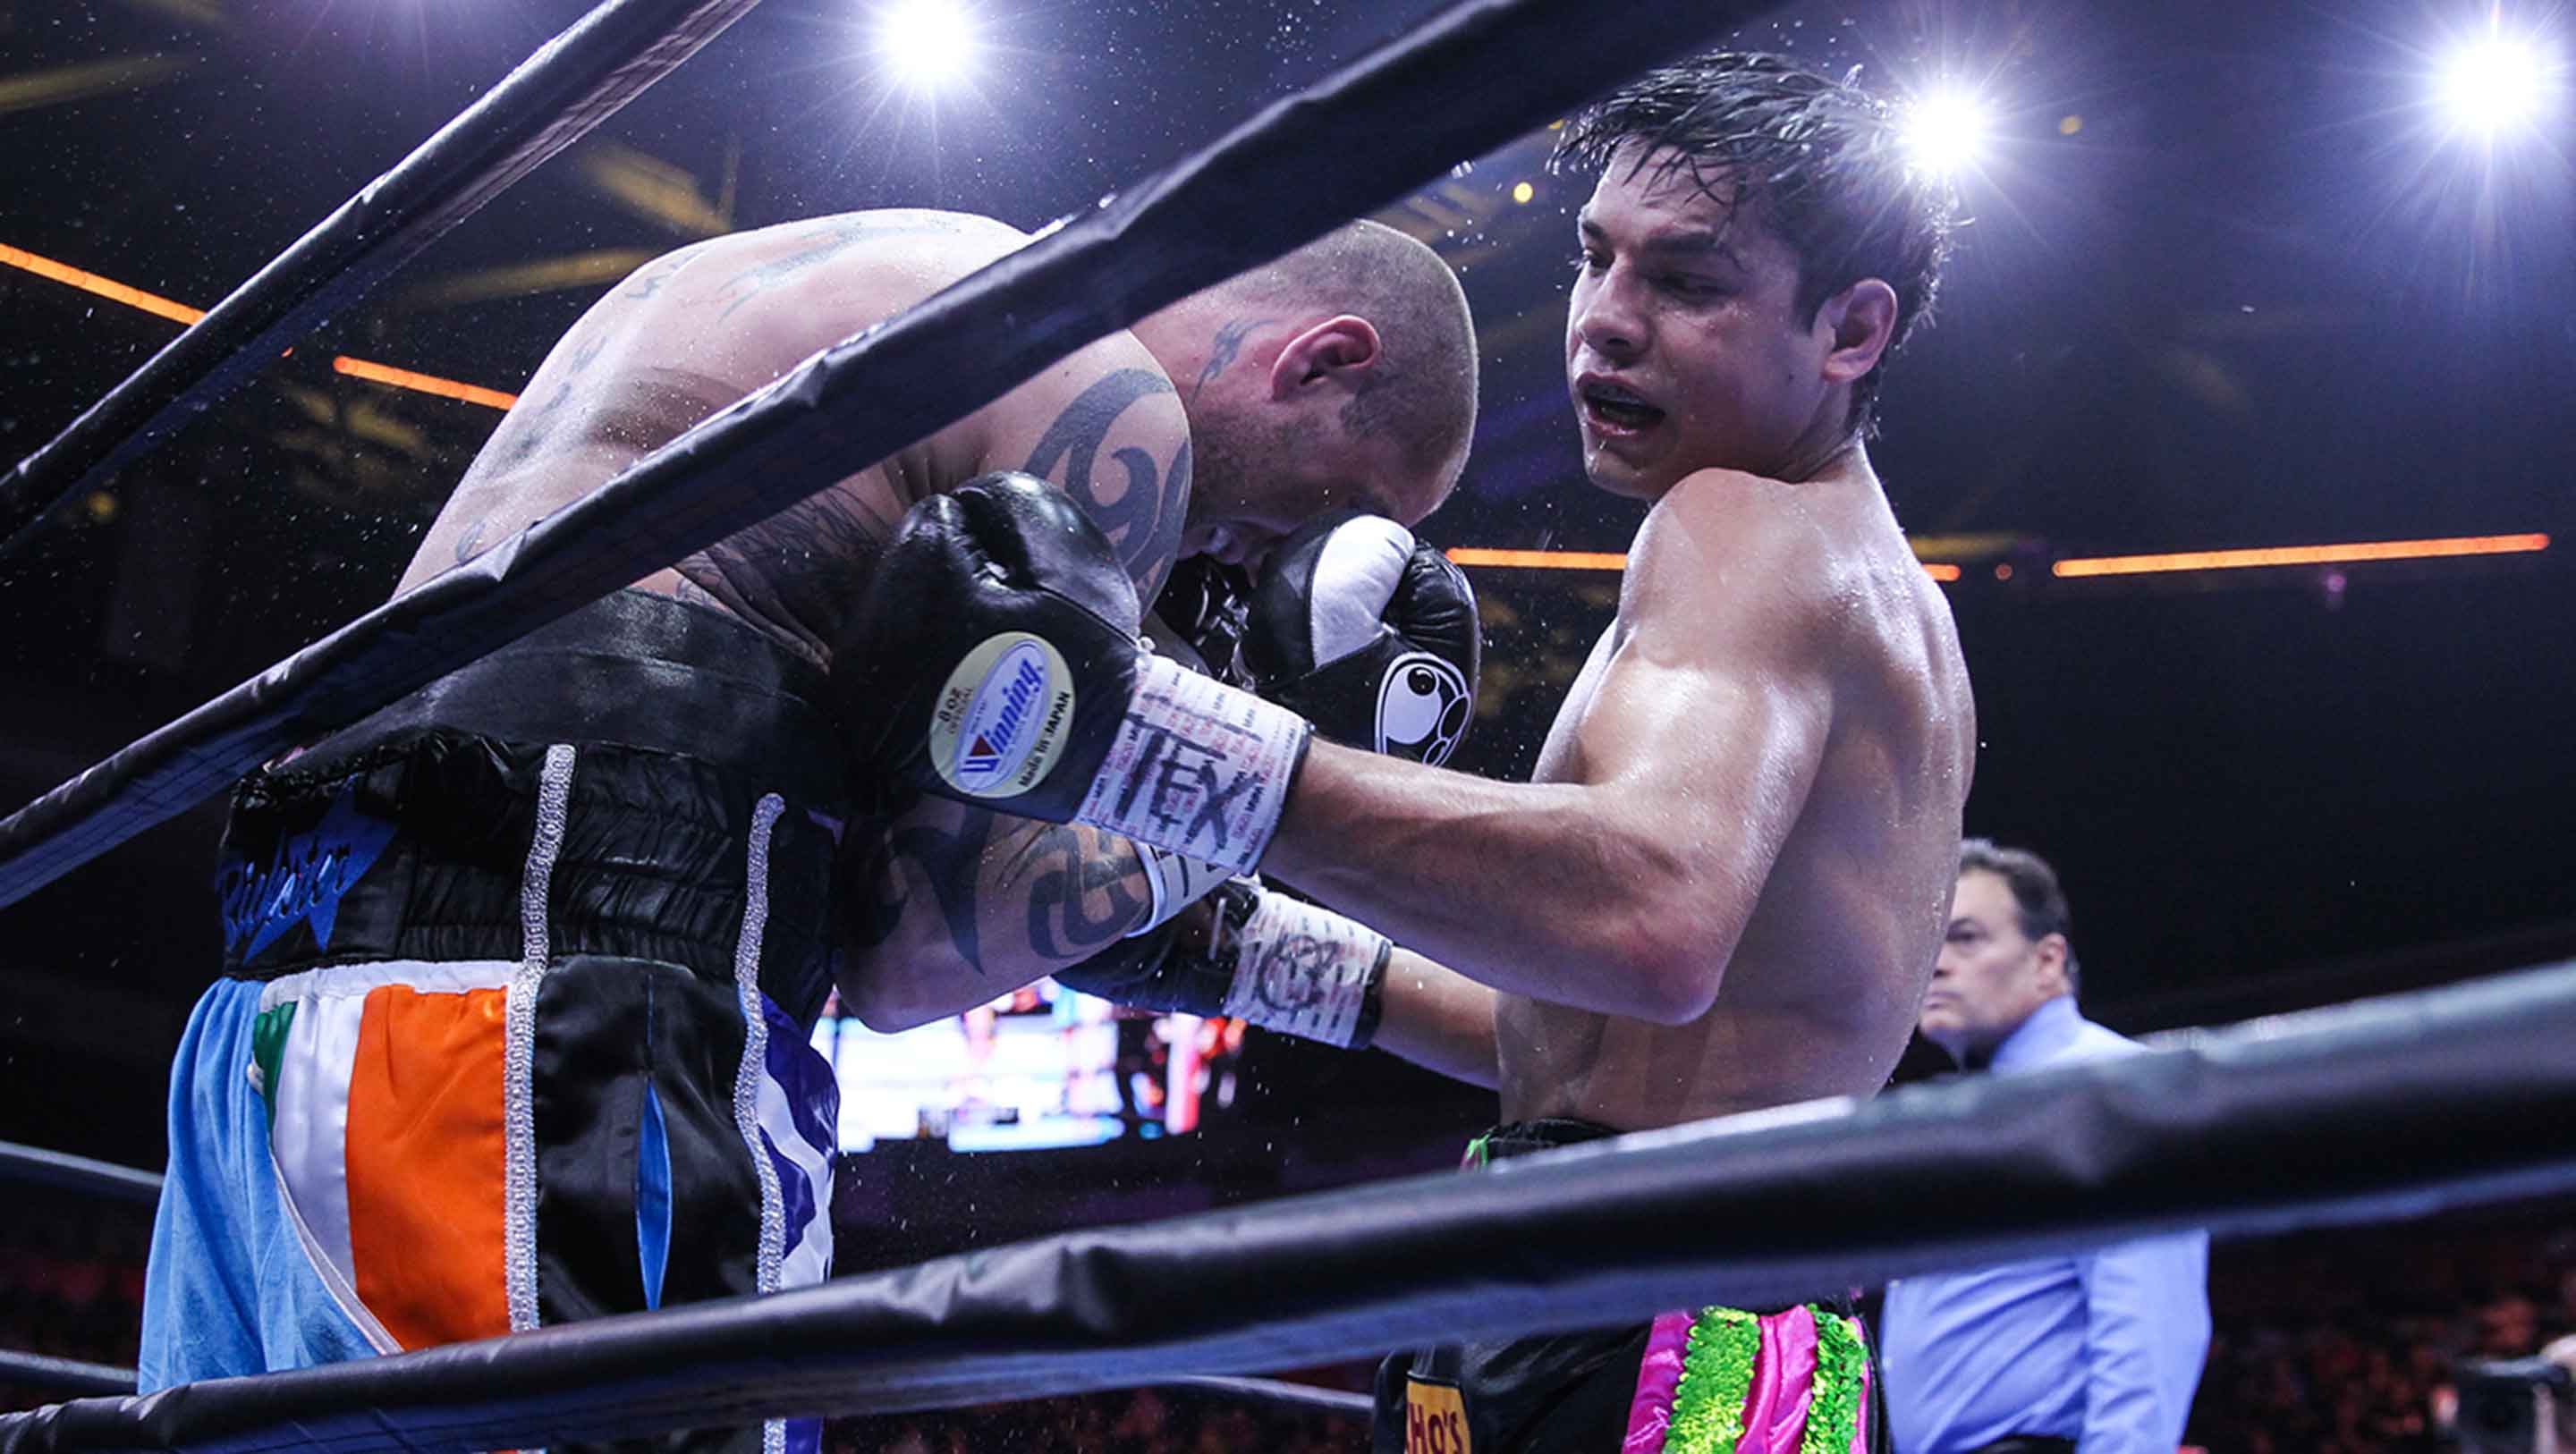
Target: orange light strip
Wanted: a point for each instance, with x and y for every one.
(158, 306)
(108, 288)
(376, 373)
(1597, 560)
(1539, 559)
(2368, 550)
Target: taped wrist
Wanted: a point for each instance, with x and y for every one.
(1198, 768)
(1301, 969)
(1175, 881)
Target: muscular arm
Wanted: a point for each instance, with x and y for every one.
(1439, 1019)
(1625, 888)
(948, 906)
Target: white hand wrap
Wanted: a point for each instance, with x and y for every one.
(1176, 881)
(1308, 971)
(1199, 768)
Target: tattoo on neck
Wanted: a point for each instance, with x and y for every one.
(1227, 347)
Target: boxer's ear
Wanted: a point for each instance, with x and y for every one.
(1856, 325)
(1340, 352)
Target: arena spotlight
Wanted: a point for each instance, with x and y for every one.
(1945, 130)
(928, 43)
(2495, 83)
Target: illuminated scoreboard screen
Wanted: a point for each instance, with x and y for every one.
(1041, 1067)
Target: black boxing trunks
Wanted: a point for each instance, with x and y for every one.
(519, 978)
(1709, 1381)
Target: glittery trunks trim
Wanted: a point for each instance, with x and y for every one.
(1721, 1381)
(1198, 767)
(518, 1056)
(1715, 1376)
(1841, 1387)
(755, 1059)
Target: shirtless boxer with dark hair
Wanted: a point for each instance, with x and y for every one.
(519, 972)
(1726, 886)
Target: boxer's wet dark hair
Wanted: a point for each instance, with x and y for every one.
(2039, 902)
(1822, 162)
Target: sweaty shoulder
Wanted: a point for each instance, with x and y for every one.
(1728, 561)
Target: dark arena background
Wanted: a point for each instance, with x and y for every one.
(2240, 443)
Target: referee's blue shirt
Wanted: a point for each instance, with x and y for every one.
(2104, 1349)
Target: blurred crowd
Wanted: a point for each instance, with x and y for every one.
(2344, 1342)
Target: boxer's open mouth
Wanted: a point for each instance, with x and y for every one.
(1617, 410)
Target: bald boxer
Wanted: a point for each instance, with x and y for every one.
(1726, 888)
(519, 972)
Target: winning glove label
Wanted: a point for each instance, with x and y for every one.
(1002, 716)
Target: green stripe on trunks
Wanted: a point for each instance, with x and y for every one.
(1842, 1366)
(1717, 1372)
(267, 1048)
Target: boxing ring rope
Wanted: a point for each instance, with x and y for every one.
(77, 1173)
(1276, 181)
(553, 99)
(2384, 1108)
(70, 1374)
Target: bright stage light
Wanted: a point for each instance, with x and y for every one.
(1945, 130)
(930, 43)
(2494, 84)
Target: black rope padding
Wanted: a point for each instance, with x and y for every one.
(572, 84)
(38, 1370)
(2387, 1108)
(77, 1173)
(1460, 85)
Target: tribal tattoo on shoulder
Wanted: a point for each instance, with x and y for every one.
(1143, 517)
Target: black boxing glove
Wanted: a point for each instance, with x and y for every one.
(1203, 607)
(1272, 960)
(1370, 635)
(996, 660)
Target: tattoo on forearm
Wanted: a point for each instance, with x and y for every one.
(1228, 346)
(875, 898)
(1143, 518)
(1065, 882)
(471, 542)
